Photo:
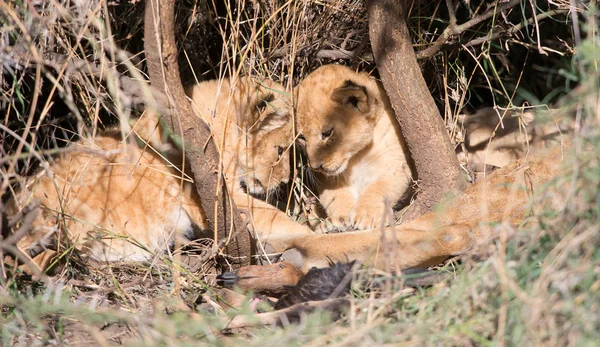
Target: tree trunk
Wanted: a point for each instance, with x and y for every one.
(200, 151)
(437, 167)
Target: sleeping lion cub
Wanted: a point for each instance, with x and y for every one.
(354, 144)
(121, 201)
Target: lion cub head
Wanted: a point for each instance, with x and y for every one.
(251, 123)
(263, 156)
(337, 110)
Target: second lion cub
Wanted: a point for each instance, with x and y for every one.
(353, 142)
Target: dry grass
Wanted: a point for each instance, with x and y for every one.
(63, 65)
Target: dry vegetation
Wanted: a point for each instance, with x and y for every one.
(72, 68)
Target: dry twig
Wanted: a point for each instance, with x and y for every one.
(8, 244)
(454, 30)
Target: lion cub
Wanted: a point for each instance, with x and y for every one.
(114, 200)
(252, 126)
(354, 144)
(121, 201)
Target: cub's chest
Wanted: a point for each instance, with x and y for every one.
(371, 167)
(364, 173)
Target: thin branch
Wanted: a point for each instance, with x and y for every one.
(537, 26)
(455, 30)
(513, 29)
(451, 12)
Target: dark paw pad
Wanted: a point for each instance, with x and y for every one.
(227, 279)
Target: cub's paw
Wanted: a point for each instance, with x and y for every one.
(369, 216)
(334, 225)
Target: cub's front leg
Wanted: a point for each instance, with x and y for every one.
(337, 202)
(272, 226)
(375, 203)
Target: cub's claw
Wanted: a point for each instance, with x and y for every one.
(335, 225)
(227, 279)
(370, 216)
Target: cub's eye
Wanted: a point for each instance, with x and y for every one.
(279, 151)
(326, 134)
(301, 140)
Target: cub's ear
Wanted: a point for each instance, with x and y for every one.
(270, 121)
(353, 95)
(261, 104)
(266, 114)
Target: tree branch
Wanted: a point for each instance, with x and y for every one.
(200, 150)
(422, 127)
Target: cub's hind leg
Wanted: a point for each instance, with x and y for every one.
(394, 248)
(501, 197)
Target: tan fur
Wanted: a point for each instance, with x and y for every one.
(122, 190)
(361, 166)
(250, 144)
(272, 279)
(112, 197)
(493, 138)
